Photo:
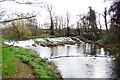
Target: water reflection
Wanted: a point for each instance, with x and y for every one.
(94, 50)
(83, 61)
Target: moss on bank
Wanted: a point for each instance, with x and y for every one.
(42, 68)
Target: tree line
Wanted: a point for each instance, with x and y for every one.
(26, 24)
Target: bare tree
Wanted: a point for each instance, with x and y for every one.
(20, 16)
(19, 24)
(23, 2)
(61, 24)
(100, 24)
(19, 20)
(78, 27)
(31, 22)
(79, 23)
(105, 18)
(68, 15)
(49, 8)
(56, 23)
(83, 21)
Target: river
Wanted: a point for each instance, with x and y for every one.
(79, 60)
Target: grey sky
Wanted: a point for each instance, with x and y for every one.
(75, 7)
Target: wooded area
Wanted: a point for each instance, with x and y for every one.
(59, 26)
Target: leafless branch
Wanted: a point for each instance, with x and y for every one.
(68, 15)
(16, 19)
(18, 14)
(29, 3)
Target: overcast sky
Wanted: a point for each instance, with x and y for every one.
(75, 7)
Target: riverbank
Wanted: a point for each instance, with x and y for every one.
(103, 41)
(41, 68)
(108, 43)
(14, 58)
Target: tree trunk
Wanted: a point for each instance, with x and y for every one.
(105, 17)
(68, 31)
(78, 28)
(106, 24)
(52, 27)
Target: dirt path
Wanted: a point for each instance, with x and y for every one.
(23, 70)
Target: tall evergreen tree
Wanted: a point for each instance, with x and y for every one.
(92, 20)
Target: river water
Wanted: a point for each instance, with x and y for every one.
(80, 60)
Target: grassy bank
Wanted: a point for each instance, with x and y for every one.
(10, 63)
(0, 61)
(42, 68)
(43, 36)
(108, 41)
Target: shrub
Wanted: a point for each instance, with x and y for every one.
(17, 29)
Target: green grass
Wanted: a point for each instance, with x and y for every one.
(0, 61)
(43, 36)
(109, 42)
(103, 39)
(42, 68)
(108, 38)
(8, 65)
(2, 39)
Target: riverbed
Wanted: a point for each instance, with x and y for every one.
(82, 60)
